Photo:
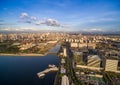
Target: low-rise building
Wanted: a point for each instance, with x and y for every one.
(62, 70)
(75, 45)
(111, 65)
(94, 61)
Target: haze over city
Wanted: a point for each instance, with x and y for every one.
(60, 15)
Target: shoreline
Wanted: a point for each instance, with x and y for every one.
(24, 54)
(27, 54)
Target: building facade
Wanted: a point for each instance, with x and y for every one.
(94, 61)
(111, 65)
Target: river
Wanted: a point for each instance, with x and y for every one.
(22, 70)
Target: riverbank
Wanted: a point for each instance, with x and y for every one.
(23, 54)
(54, 50)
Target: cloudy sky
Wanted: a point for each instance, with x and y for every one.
(60, 15)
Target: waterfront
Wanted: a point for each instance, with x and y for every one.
(55, 49)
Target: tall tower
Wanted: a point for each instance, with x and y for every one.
(64, 52)
(87, 43)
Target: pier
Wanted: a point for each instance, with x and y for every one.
(50, 69)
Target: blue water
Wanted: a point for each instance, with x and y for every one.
(19, 70)
(56, 48)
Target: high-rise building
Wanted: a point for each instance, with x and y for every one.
(64, 52)
(78, 57)
(85, 55)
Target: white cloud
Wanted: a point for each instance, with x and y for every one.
(6, 29)
(28, 29)
(38, 23)
(19, 29)
(65, 26)
(96, 29)
(25, 18)
(24, 15)
(52, 22)
(48, 22)
(33, 18)
(10, 29)
(93, 30)
(101, 19)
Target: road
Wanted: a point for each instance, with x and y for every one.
(72, 75)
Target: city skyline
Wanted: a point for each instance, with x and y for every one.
(60, 15)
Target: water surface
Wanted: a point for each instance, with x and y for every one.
(19, 70)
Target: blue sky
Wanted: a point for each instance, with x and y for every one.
(61, 15)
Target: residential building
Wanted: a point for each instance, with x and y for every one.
(65, 80)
